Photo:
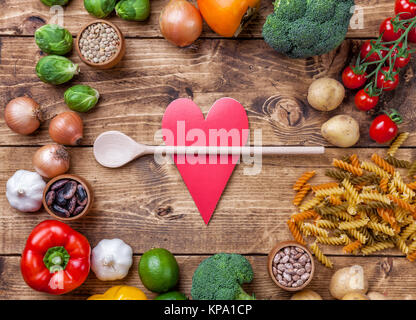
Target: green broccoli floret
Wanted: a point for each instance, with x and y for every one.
(305, 28)
(220, 278)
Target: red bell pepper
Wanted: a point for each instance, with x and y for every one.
(56, 258)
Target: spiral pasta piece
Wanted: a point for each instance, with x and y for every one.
(327, 192)
(320, 255)
(303, 180)
(326, 224)
(412, 246)
(412, 185)
(301, 194)
(334, 200)
(295, 232)
(384, 185)
(401, 244)
(353, 246)
(378, 246)
(355, 224)
(333, 241)
(365, 178)
(373, 196)
(382, 163)
(315, 230)
(321, 186)
(347, 167)
(375, 169)
(354, 161)
(398, 163)
(411, 257)
(388, 216)
(381, 228)
(407, 232)
(402, 204)
(397, 143)
(336, 174)
(310, 204)
(357, 235)
(412, 169)
(331, 210)
(400, 214)
(298, 217)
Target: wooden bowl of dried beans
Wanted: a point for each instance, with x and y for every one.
(67, 197)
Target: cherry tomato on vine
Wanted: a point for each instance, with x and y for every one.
(407, 6)
(352, 78)
(378, 52)
(387, 83)
(383, 129)
(364, 101)
(388, 30)
(411, 36)
(402, 57)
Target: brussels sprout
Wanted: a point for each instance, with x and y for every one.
(99, 8)
(81, 98)
(56, 69)
(53, 39)
(136, 10)
(51, 3)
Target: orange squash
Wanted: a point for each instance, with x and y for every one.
(228, 17)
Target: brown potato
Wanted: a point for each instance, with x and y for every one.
(355, 296)
(306, 295)
(341, 130)
(326, 94)
(348, 280)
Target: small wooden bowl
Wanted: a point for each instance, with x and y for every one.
(81, 181)
(273, 253)
(115, 59)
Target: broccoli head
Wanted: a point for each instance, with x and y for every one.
(305, 28)
(220, 278)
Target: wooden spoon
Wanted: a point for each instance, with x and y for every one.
(114, 149)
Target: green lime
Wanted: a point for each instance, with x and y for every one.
(173, 295)
(158, 270)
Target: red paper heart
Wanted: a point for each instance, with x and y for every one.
(184, 124)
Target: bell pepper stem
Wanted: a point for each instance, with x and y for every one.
(56, 259)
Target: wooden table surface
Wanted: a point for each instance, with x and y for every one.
(148, 205)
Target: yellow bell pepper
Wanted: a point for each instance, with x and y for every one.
(120, 293)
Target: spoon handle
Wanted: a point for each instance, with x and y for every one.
(201, 150)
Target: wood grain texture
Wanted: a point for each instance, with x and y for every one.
(149, 206)
(392, 276)
(23, 17)
(135, 95)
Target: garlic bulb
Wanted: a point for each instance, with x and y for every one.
(111, 259)
(24, 191)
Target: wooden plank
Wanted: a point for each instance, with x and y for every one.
(134, 96)
(149, 206)
(25, 16)
(395, 277)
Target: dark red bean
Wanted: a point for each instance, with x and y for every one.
(69, 190)
(72, 205)
(59, 199)
(59, 184)
(60, 211)
(78, 210)
(81, 195)
(50, 198)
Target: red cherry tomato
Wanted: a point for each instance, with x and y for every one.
(364, 101)
(378, 51)
(352, 79)
(387, 84)
(383, 129)
(407, 6)
(388, 31)
(411, 36)
(402, 57)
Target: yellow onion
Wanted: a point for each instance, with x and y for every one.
(180, 23)
(51, 160)
(22, 115)
(66, 128)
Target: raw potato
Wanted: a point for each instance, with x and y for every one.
(342, 131)
(326, 94)
(306, 295)
(376, 296)
(355, 296)
(348, 280)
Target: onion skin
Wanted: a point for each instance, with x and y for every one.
(180, 23)
(66, 128)
(22, 115)
(51, 160)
